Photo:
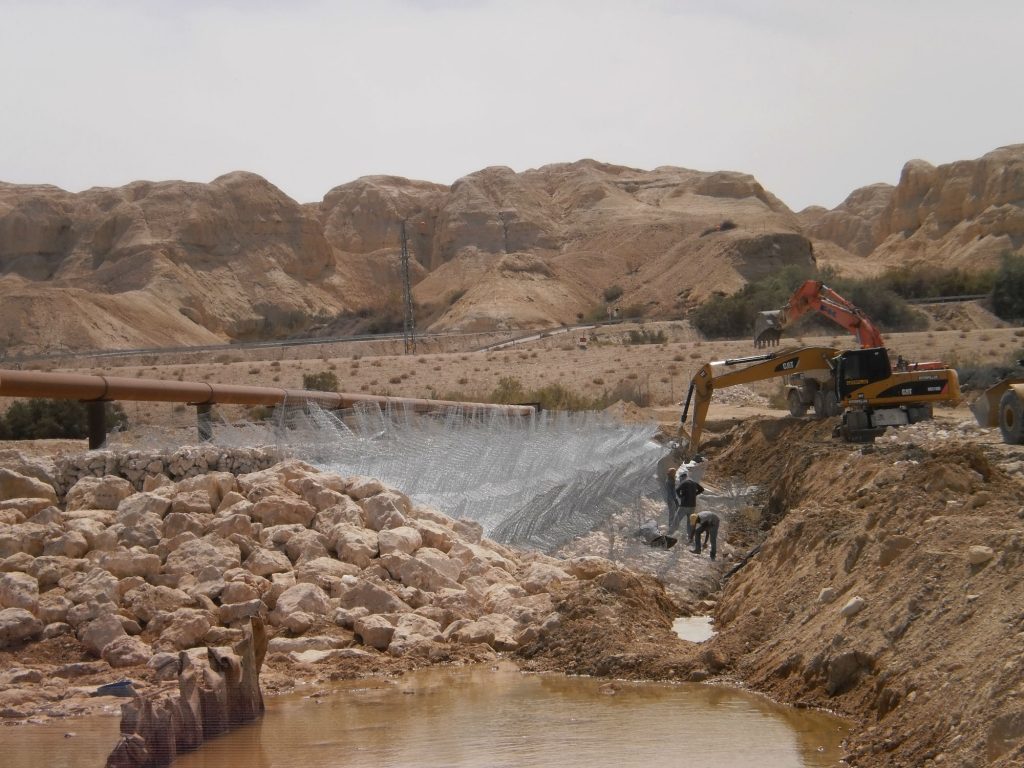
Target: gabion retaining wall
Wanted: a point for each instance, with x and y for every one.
(176, 464)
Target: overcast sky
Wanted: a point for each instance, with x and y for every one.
(813, 97)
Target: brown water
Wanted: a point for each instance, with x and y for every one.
(477, 717)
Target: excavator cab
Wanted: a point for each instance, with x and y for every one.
(858, 367)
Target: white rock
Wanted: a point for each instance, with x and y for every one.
(98, 493)
(827, 595)
(401, 539)
(358, 546)
(854, 606)
(14, 485)
(126, 652)
(283, 510)
(96, 634)
(19, 590)
(374, 630)
(384, 510)
(17, 626)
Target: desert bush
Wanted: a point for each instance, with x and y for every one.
(612, 293)
(325, 381)
(41, 419)
(644, 336)
(734, 315)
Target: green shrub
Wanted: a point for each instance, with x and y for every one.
(40, 419)
(1008, 291)
(325, 381)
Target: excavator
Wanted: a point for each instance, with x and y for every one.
(865, 389)
(816, 388)
(815, 296)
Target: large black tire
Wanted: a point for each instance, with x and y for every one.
(1011, 418)
(831, 403)
(819, 405)
(797, 407)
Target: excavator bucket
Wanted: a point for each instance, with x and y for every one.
(986, 407)
(767, 329)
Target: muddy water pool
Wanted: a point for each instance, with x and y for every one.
(481, 716)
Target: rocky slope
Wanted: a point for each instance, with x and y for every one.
(168, 263)
(964, 214)
(153, 264)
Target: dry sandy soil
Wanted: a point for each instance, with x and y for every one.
(865, 591)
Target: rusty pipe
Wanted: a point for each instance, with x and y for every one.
(75, 386)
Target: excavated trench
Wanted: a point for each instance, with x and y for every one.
(865, 593)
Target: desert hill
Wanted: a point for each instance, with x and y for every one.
(176, 263)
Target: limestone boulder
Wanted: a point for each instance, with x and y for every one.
(214, 486)
(283, 510)
(123, 563)
(266, 562)
(98, 535)
(306, 545)
(144, 504)
(421, 574)
(14, 485)
(437, 559)
(433, 534)
(321, 491)
(92, 585)
(361, 593)
(414, 635)
(301, 598)
(20, 510)
(401, 539)
(178, 522)
(105, 492)
(226, 525)
(95, 635)
(18, 626)
(345, 511)
(325, 572)
(181, 629)
(358, 546)
(69, 544)
(360, 487)
(541, 577)
(19, 590)
(469, 530)
(192, 503)
(374, 630)
(138, 530)
(147, 602)
(209, 552)
(588, 567)
(239, 613)
(53, 607)
(477, 558)
(384, 510)
(126, 651)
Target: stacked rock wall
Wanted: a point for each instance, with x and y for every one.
(178, 464)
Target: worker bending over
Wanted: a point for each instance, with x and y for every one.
(703, 522)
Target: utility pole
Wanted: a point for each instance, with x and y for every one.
(409, 325)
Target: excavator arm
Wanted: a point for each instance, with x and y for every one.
(721, 374)
(815, 296)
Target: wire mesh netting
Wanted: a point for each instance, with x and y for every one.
(534, 481)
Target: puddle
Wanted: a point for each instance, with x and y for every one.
(696, 629)
(479, 717)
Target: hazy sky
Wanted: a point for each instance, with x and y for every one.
(813, 97)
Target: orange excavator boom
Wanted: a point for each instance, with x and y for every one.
(815, 296)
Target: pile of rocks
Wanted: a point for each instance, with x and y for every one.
(139, 575)
(136, 466)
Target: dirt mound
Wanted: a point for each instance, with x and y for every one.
(889, 585)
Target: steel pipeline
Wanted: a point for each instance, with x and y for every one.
(87, 388)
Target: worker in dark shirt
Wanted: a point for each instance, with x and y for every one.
(687, 491)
